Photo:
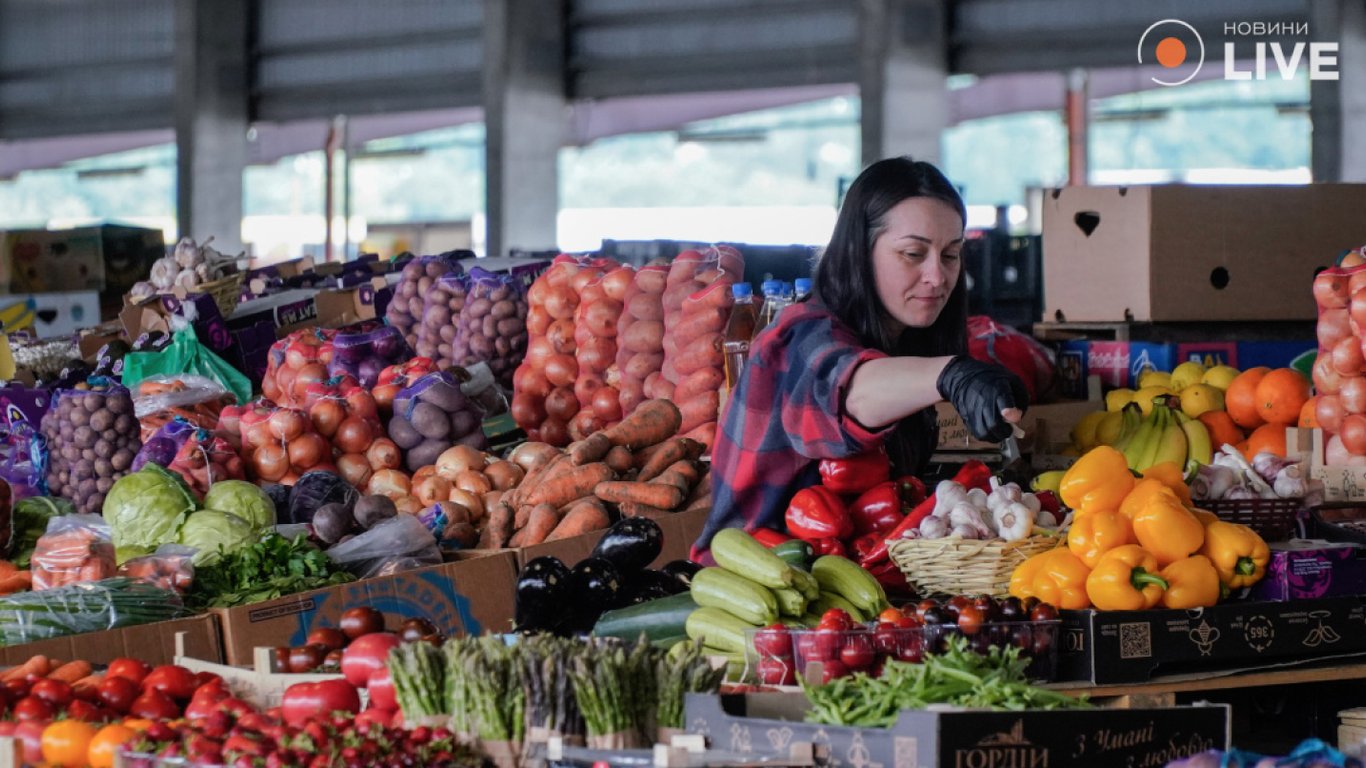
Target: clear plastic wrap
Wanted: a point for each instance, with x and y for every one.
(92, 437)
(493, 325)
(640, 335)
(170, 568)
(697, 303)
(75, 549)
(396, 544)
(595, 350)
(406, 307)
(197, 400)
(442, 306)
(86, 607)
(364, 354)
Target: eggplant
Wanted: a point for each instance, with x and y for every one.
(683, 570)
(649, 585)
(594, 587)
(543, 596)
(631, 544)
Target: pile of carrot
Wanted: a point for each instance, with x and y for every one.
(640, 466)
(80, 675)
(203, 413)
(13, 579)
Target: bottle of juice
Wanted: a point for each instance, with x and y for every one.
(740, 330)
(772, 302)
(803, 288)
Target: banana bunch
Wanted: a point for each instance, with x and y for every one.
(1164, 434)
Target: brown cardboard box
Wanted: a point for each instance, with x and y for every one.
(152, 643)
(466, 597)
(1047, 427)
(41, 260)
(1161, 253)
(1340, 482)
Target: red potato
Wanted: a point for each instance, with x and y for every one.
(630, 396)
(699, 411)
(704, 321)
(600, 318)
(702, 380)
(644, 336)
(641, 364)
(717, 295)
(703, 352)
(645, 306)
(652, 279)
(704, 434)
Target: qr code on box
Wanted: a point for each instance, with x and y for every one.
(1135, 640)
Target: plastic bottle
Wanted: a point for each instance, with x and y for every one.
(773, 301)
(740, 330)
(803, 288)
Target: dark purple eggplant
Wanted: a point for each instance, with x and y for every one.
(682, 570)
(595, 585)
(543, 598)
(649, 585)
(631, 544)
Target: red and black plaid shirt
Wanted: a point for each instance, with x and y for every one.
(784, 415)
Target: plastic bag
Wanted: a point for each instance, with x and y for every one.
(197, 400)
(1338, 369)
(420, 274)
(199, 456)
(694, 334)
(364, 354)
(87, 607)
(442, 307)
(493, 325)
(186, 355)
(395, 379)
(543, 401)
(24, 467)
(398, 543)
(92, 438)
(595, 350)
(170, 568)
(640, 335)
(75, 549)
(294, 362)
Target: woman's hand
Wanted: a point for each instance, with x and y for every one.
(990, 398)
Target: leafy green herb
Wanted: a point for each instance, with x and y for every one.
(272, 567)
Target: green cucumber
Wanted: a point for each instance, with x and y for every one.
(795, 553)
(790, 602)
(658, 619)
(739, 553)
(720, 630)
(719, 588)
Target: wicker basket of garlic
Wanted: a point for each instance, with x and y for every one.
(194, 268)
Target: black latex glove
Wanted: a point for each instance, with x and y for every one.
(979, 392)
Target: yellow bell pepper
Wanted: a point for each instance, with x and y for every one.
(1191, 583)
(1125, 579)
(1096, 533)
(1145, 491)
(1098, 480)
(1168, 530)
(1205, 516)
(1169, 474)
(1237, 552)
(1056, 576)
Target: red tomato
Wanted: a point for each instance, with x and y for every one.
(174, 681)
(154, 705)
(129, 668)
(381, 688)
(367, 654)
(773, 641)
(33, 708)
(118, 693)
(306, 700)
(836, 618)
(775, 671)
(30, 734)
(54, 692)
(16, 689)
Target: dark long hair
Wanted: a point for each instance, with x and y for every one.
(846, 284)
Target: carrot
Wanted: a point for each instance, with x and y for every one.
(544, 520)
(704, 434)
(534, 480)
(619, 459)
(498, 529)
(653, 421)
(88, 683)
(632, 509)
(671, 450)
(681, 474)
(17, 582)
(71, 672)
(659, 495)
(7, 568)
(700, 490)
(577, 482)
(583, 518)
(590, 449)
(531, 515)
(37, 664)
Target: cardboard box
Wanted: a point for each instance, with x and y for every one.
(764, 724)
(1132, 646)
(1305, 569)
(466, 597)
(152, 643)
(48, 315)
(40, 261)
(1178, 252)
(20, 403)
(1340, 482)
(1047, 426)
(257, 685)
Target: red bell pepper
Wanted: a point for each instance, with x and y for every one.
(856, 474)
(817, 513)
(769, 537)
(878, 510)
(821, 547)
(890, 576)
(864, 544)
(1049, 502)
(973, 474)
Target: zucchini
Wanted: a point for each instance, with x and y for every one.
(790, 602)
(845, 578)
(719, 588)
(829, 600)
(795, 553)
(658, 619)
(739, 553)
(720, 630)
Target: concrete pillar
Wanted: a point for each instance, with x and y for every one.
(211, 115)
(903, 72)
(524, 121)
(1337, 108)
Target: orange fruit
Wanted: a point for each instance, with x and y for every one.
(106, 744)
(67, 742)
(1281, 395)
(1240, 399)
(1269, 438)
(1309, 415)
(1221, 428)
